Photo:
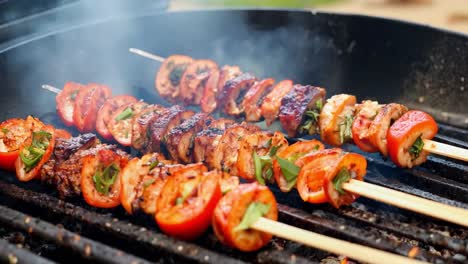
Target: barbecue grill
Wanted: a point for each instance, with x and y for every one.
(372, 58)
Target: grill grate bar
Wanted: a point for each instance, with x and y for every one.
(89, 249)
(12, 254)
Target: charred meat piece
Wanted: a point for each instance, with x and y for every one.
(215, 84)
(66, 147)
(254, 98)
(194, 79)
(228, 147)
(169, 76)
(66, 175)
(180, 139)
(300, 109)
(206, 140)
(140, 126)
(233, 93)
(272, 102)
(162, 123)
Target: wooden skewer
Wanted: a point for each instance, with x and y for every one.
(329, 244)
(445, 150)
(429, 145)
(407, 201)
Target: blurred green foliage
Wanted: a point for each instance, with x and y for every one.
(266, 3)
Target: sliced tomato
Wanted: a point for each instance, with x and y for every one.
(352, 164)
(7, 160)
(65, 102)
(208, 99)
(87, 103)
(404, 138)
(106, 111)
(314, 168)
(169, 75)
(231, 210)
(187, 201)
(292, 153)
(100, 178)
(129, 180)
(34, 153)
(61, 133)
(121, 122)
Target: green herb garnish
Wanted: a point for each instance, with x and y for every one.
(345, 126)
(252, 214)
(153, 164)
(289, 169)
(5, 130)
(273, 150)
(104, 179)
(74, 94)
(125, 114)
(416, 148)
(342, 177)
(268, 144)
(148, 183)
(313, 114)
(258, 168)
(319, 105)
(31, 155)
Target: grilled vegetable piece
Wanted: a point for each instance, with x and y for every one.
(194, 79)
(254, 97)
(105, 113)
(233, 93)
(336, 119)
(65, 102)
(271, 104)
(187, 201)
(234, 214)
(214, 85)
(87, 104)
(381, 123)
(100, 178)
(140, 125)
(162, 123)
(350, 166)
(313, 170)
(36, 151)
(206, 140)
(121, 122)
(285, 169)
(169, 76)
(256, 153)
(228, 147)
(405, 138)
(365, 114)
(180, 140)
(13, 133)
(299, 109)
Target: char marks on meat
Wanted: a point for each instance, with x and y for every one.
(233, 91)
(295, 104)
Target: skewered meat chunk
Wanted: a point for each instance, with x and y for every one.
(214, 85)
(228, 147)
(365, 114)
(382, 122)
(254, 97)
(336, 119)
(140, 126)
(169, 75)
(162, 123)
(121, 123)
(301, 106)
(206, 140)
(65, 173)
(256, 147)
(194, 79)
(272, 102)
(233, 93)
(180, 139)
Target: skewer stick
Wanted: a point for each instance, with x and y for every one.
(51, 88)
(407, 201)
(445, 150)
(329, 244)
(429, 145)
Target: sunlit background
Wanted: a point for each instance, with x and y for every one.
(448, 14)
